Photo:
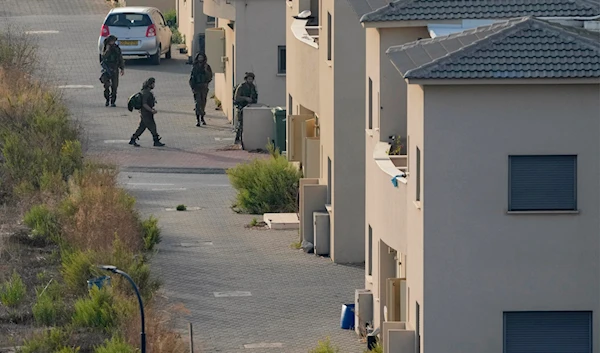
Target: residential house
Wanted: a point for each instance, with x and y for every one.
(192, 23)
(491, 238)
(326, 69)
(249, 36)
(399, 23)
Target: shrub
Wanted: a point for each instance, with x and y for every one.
(136, 267)
(68, 350)
(171, 17)
(378, 348)
(115, 345)
(18, 50)
(266, 185)
(43, 223)
(176, 37)
(49, 307)
(13, 291)
(97, 311)
(77, 268)
(151, 233)
(325, 347)
(97, 209)
(181, 208)
(48, 341)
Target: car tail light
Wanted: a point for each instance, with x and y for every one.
(104, 32)
(151, 31)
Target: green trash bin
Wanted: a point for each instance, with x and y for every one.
(279, 128)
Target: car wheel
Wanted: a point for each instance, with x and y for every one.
(168, 54)
(155, 59)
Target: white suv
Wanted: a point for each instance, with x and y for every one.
(141, 31)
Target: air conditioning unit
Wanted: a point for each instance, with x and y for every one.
(321, 232)
(363, 310)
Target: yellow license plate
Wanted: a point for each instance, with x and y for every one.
(128, 42)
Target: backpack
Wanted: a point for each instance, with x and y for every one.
(135, 102)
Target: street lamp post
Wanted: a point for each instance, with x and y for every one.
(114, 269)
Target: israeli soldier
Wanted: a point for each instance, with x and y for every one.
(199, 79)
(147, 113)
(112, 63)
(245, 94)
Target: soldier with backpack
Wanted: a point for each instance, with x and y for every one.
(245, 94)
(199, 79)
(145, 101)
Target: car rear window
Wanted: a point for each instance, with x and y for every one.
(128, 20)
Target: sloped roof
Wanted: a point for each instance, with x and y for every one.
(362, 7)
(520, 48)
(407, 10)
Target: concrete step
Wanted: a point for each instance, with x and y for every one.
(282, 220)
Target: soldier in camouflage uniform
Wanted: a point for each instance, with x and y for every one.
(147, 115)
(199, 79)
(112, 63)
(244, 94)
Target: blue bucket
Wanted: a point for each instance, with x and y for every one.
(98, 282)
(347, 320)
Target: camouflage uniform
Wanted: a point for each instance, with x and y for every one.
(199, 79)
(248, 90)
(112, 62)
(146, 116)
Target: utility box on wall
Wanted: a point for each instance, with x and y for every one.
(321, 233)
(215, 49)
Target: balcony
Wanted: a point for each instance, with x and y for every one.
(220, 9)
(306, 34)
(387, 193)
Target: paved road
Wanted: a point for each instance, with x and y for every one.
(288, 299)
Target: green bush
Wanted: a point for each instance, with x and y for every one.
(151, 233)
(68, 350)
(181, 208)
(377, 349)
(265, 186)
(49, 308)
(136, 267)
(13, 291)
(43, 223)
(176, 37)
(171, 17)
(98, 311)
(115, 345)
(77, 268)
(325, 347)
(48, 341)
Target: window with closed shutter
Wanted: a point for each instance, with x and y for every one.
(548, 331)
(543, 183)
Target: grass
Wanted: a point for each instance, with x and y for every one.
(325, 346)
(151, 233)
(43, 223)
(254, 222)
(181, 207)
(377, 349)
(98, 311)
(266, 185)
(115, 345)
(48, 341)
(13, 291)
(49, 308)
(296, 245)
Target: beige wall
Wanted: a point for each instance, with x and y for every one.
(190, 25)
(503, 262)
(162, 5)
(381, 198)
(258, 29)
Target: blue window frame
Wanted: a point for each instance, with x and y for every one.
(542, 183)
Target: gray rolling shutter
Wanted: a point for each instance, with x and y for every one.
(542, 183)
(548, 332)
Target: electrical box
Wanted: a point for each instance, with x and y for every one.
(321, 232)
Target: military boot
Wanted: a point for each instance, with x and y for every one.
(106, 104)
(157, 142)
(133, 141)
(197, 120)
(202, 119)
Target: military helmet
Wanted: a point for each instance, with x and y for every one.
(249, 74)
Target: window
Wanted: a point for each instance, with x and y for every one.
(370, 254)
(281, 59)
(370, 125)
(290, 108)
(328, 36)
(418, 172)
(210, 20)
(545, 331)
(542, 183)
(418, 328)
(329, 181)
(128, 20)
(192, 7)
